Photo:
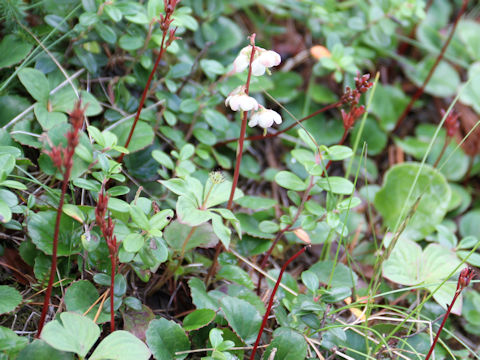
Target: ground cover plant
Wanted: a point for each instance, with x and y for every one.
(208, 179)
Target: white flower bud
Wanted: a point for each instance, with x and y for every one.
(239, 100)
(265, 118)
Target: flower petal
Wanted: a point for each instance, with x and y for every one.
(258, 69)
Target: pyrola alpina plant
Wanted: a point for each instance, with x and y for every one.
(239, 99)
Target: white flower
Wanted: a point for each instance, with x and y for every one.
(242, 60)
(266, 59)
(239, 100)
(263, 59)
(265, 118)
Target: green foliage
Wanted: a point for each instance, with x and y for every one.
(303, 182)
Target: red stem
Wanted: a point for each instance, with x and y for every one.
(261, 137)
(238, 160)
(113, 257)
(272, 296)
(263, 264)
(449, 309)
(53, 267)
(420, 91)
(145, 92)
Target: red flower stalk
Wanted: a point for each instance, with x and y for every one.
(451, 123)
(63, 161)
(165, 22)
(466, 275)
(272, 297)
(107, 228)
(238, 161)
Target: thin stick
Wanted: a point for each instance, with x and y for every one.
(432, 70)
(95, 303)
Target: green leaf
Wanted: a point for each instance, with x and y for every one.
(80, 296)
(220, 193)
(255, 202)
(139, 217)
(469, 224)
(13, 50)
(141, 138)
(10, 298)
(39, 349)
(236, 274)
(10, 343)
(387, 104)
(121, 345)
(409, 265)
(74, 212)
(290, 181)
(342, 276)
(165, 338)
(268, 226)
(431, 185)
(133, 242)
(161, 219)
(200, 297)
(41, 226)
(198, 319)
(163, 159)
(36, 83)
(74, 333)
(130, 43)
(205, 136)
(444, 81)
(212, 67)
(290, 345)
(5, 212)
(222, 231)
(310, 280)
(188, 212)
(176, 233)
(336, 185)
(243, 318)
(46, 118)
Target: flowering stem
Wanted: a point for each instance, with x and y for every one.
(272, 296)
(238, 160)
(243, 130)
(420, 91)
(53, 266)
(165, 25)
(113, 262)
(63, 160)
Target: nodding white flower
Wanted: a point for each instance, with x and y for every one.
(266, 59)
(239, 100)
(242, 60)
(265, 118)
(263, 59)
